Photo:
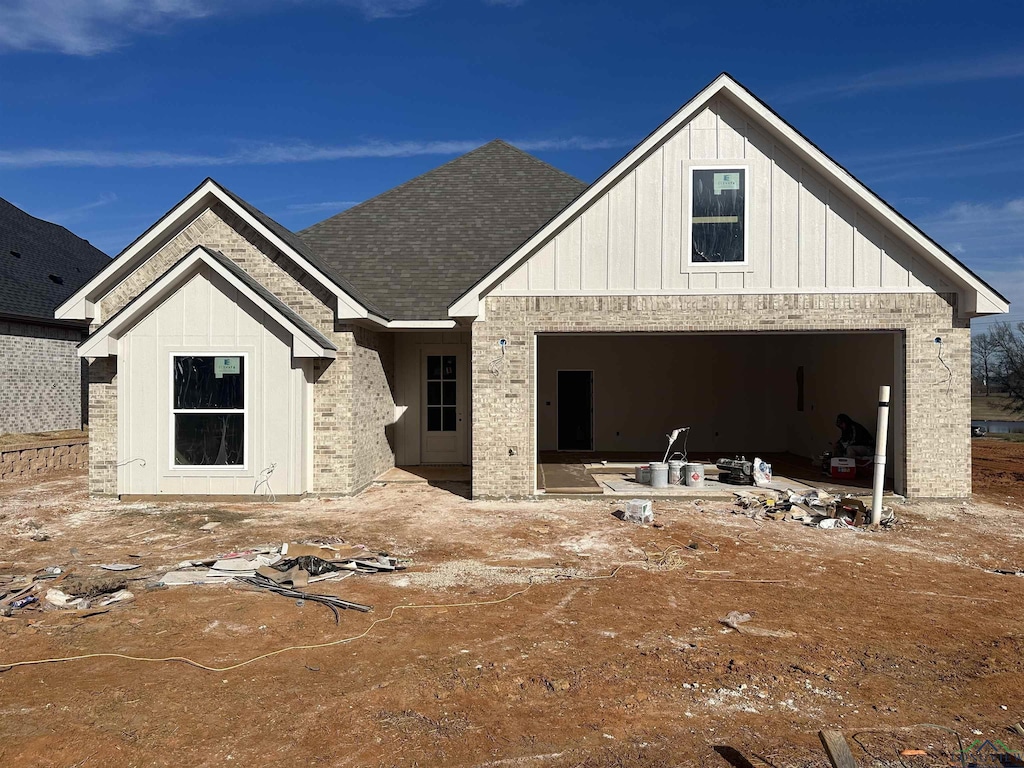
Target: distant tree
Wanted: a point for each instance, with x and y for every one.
(1008, 362)
(983, 354)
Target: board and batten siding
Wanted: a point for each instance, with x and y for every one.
(208, 316)
(802, 234)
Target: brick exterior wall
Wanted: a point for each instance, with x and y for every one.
(103, 426)
(30, 459)
(353, 407)
(41, 378)
(937, 436)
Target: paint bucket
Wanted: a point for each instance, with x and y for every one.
(694, 475)
(659, 474)
(675, 472)
(643, 474)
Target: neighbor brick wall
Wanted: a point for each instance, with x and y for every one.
(350, 447)
(40, 378)
(937, 457)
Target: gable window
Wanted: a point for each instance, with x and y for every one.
(208, 411)
(718, 215)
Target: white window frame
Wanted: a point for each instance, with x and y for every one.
(746, 216)
(246, 378)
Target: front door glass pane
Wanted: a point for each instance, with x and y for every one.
(442, 398)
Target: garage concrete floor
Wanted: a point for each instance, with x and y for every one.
(613, 475)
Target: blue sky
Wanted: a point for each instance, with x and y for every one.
(112, 110)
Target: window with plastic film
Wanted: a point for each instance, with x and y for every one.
(441, 393)
(208, 410)
(718, 216)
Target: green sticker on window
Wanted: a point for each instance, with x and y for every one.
(226, 365)
(726, 181)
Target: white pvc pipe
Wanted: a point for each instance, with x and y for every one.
(881, 437)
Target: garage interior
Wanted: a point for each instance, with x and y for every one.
(605, 402)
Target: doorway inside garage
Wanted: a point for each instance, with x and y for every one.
(614, 397)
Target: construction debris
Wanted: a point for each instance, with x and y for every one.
(283, 569)
(812, 507)
(736, 620)
(639, 511)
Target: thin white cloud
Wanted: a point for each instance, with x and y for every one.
(78, 212)
(87, 27)
(90, 27)
(1000, 66)
(273, 154)
(327, 205)
(989, 238)
(944, 150)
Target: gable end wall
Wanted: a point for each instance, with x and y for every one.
(350, 421)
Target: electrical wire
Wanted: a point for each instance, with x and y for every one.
(313, 646)
(949, 379)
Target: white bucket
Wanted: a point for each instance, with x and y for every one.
(659, 474)
(694, 475)
(675, 472)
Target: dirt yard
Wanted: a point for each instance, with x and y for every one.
(593, 642)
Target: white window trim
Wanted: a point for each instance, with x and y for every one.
(172, 412)
(689, 263)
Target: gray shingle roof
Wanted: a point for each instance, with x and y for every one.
(414, 249)
(43, 249)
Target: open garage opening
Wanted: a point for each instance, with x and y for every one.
(614, 397)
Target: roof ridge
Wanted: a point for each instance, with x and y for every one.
(404, 184)
(536, 159)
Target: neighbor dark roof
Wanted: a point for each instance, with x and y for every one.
(414, 249)
(41, 264)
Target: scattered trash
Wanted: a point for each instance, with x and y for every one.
(639, 511)
(736, 620)
(812, 507)
(762, 473)
(1008, 572)
(209, 526)
(120, 566)
(21, 602)
(332, 602)
(120, 596)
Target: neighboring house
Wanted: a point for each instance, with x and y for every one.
(725, 275)
(41, 376)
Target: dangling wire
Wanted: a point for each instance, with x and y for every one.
(264, 479)
(496, 364)
(949, 379)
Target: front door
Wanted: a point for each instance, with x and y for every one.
(444, 377)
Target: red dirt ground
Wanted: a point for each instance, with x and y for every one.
(891, 630)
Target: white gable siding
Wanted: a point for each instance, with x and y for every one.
(802, 234)
(208, 316)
